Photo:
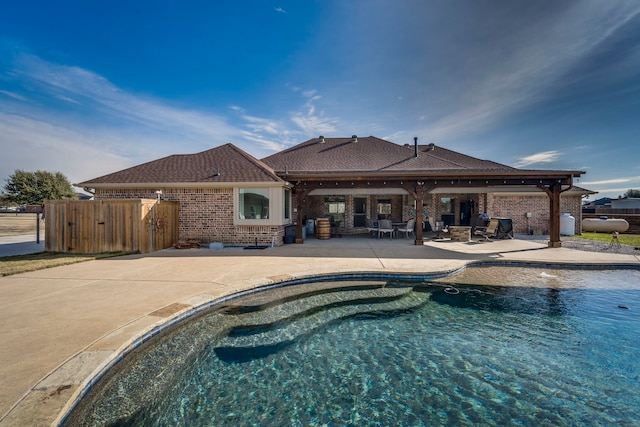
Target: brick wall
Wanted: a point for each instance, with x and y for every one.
(516, 207)
(206, 215)
(315, 206)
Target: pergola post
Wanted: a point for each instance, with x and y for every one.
(301, 195)
(553, 191)
(419, 197)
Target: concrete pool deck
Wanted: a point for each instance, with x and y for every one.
(61, 324)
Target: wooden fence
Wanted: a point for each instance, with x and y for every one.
(95, 226)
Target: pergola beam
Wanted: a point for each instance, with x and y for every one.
(551, 183)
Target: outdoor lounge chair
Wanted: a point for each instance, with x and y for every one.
(489, 231)
(385, 226)
(408, 228)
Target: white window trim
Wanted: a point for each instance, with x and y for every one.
(276, 207)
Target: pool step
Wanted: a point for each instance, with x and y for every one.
(255, 315)
(260, 334)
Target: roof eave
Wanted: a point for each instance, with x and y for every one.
(155, 185)
(457, 174)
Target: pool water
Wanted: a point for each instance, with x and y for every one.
(557, 348)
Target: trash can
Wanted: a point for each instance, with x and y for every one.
(290, 234)
(310, 226)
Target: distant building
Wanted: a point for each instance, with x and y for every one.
(590, 207)
(625, 203)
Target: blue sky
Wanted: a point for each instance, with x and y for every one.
(88, 88)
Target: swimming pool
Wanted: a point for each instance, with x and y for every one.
(555, 347)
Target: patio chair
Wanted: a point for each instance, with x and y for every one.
(335, 227)
(489, 231)
(385, 226)
(372, 226)
(408, 228)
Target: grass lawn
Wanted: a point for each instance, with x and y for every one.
(624, 239)
(39, 261)
(13, 224)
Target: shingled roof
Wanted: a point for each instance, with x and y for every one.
(224, 164)
(371, 154)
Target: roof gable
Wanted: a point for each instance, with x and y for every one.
(224, 164)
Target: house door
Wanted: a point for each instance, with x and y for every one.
(360, 212)
(466, 210)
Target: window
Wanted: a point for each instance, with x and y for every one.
(447, 205)
(384, 208)
(334, 207)
(287, 203)
(253, 203)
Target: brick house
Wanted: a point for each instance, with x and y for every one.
(225, 194)
(228, 196)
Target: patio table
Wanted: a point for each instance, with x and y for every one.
(396, 225)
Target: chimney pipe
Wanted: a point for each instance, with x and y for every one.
(321, 139)
(354, 138)
(415, 146)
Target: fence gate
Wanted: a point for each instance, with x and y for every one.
(95, 226)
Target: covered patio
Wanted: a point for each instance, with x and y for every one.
(353, 171)
(416, 188)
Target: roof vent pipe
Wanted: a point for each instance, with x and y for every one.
(354, 138)
(432, 146)
(415, 146)
(321, 139)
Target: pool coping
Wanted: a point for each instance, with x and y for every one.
(208, 301)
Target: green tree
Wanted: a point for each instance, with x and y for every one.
(34, 187)
(632, 194)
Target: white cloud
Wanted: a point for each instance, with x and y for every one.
(611, 187)
(309, 93)
(13, 95)
(67, 99)
(114, 128)
(538, 55)
(612, 181)
(262, 125)
(64, 82)
(38, 145)
(543, 157)
(311, 123)
(280, 10)
(270, 145)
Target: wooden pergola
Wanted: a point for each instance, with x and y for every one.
(553, 183)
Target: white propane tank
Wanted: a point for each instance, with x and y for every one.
(567, 225)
